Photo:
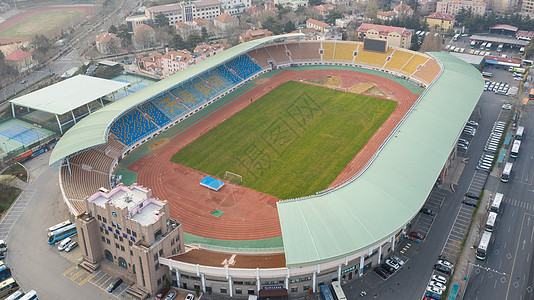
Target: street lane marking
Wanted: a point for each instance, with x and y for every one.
(69, 270)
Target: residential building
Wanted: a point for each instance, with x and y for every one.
(225, 22)
(150, 64)
(107, 43)
(144, 37)
(341, 2)
(204, 51)
(426, 6)
(186, 11)
(527, 6)
(317, 25)
(386, 15)
(251, 34)
(452, 7)
(235, 7)
(324, 9)
(504, 6)
(524, 35)
(133, 21)
(131, 229)
(396, 36)
(177, 60)
(291, 4)
(20, 60)
(402, 10)
(440, 21)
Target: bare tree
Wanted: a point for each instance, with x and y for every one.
(432, 42)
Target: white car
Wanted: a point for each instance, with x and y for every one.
(397, 260)
(507, 106)
(438, 285)
(445, 263)
(439, 279)
(63, 244)
(71, 246)
(392, 264)
(189, 297)
(434, 289)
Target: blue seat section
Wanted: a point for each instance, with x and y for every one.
(244, 66)
(132, 127)
(227, 74)
(170, 106)
(157, 116)
(217, 80)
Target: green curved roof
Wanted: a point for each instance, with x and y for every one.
(393, 189)
(93, 129)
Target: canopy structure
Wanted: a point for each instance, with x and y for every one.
(382, 200)
(68, 95)
(93, 130)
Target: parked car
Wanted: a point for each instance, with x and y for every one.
(416, 235)
(427, 211)
(434, 289)
(171, 296)
(470, 202)
(397, 260)
(393, 264)
(381, 272)
(445, 263)
(439, 279)
(432, 295)
(114, 285)
(161, 294)
(71, 246)
(189, 297)
(472, 123)
(442, 269)
(389, 269)
(463, 142)
(63, 244)
(472, 195)
(438, 285)
(461, 147)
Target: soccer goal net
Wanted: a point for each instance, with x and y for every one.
(233, 177)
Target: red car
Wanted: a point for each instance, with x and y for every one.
(161, 294)
(416, 235)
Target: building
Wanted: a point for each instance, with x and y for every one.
(324, 9)
(386, 15)
(452, 7)
(175, 61)
(204, 50)
(251, 34)
(133, 21)
(107, 43)
(186, 11)
(504, 6)
(402, 10)
(144, 37)
(396, 36)
(131, 229)
(527, 7)
(440, 20)
(292, 4)
(20, 60)
(524, 35)
(317, 25)
(426, 6)
(235, 7)
(225, 22)
(150, 64)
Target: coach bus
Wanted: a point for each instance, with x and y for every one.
(521, 50)
(515, 149)
(8, 286)
(531, 94)
(58, 226)
(496, 204)
(455, 37)
(490, 222)
(482, 248)
(5, 272)
(505, 176)
(338, 291)
(326, 294)
(519, 132)
(61, 233)
(31, 295)
(15, 296)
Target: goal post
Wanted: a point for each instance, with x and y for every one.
(233, 177)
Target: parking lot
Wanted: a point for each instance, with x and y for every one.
(99, 278)
(423, 222)
(15, 211)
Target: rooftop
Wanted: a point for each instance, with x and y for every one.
(64, 96)
(440, 16)
(383, 29)
(17, 54)
(165, 8)
(318, 23)
(241, 261)
(504, 27)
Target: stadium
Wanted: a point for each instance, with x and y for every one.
(246, 241)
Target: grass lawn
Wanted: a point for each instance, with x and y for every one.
(17, 171)
(42, 23)
(292, 142)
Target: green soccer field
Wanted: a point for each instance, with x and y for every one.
(43, 23)
(292, 142)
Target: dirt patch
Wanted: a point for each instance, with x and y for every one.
(158, 143)
(369, 89)
(261, 81)
(328, 81)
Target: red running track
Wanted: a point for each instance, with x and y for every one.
(248, 214)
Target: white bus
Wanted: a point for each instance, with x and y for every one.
(455, 37)
(488, 46)
(515, 149)
(338, 291)
(505, 176)
(522, 50)
(482, 248)
(473, 44)
(15, 296)
(490, 222)
(519, 132)
(483, 46)
(499, 48)
(496, 204)
(31, 295)
(58, 226)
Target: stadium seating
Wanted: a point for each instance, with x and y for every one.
(399, 58)
(412, 65)
(131, 127)
(260, 56)
(372, 58)
(328, 50)
(82, 183)
(304, 51)
(157, 116)
(217, 80)
(97, 160)
(345, 51)
(228, 74)
(170, 106)
(243, 66)
(278, 53)
(428, 71)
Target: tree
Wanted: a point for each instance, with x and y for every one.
(371, 9)
(192, 41)
(332, 16)
(113, 29)
(204, 34)
(315, 2)
(125, 35)
(289, 27)
(161, 21)
(178, 42)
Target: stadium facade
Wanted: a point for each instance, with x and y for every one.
(338, 234)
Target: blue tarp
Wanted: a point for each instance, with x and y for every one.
(212, 183)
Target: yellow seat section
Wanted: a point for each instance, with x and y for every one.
(372, 58)
(429, 71)
(412, 65)
(345, 52)
(398, 59)
(328, 53)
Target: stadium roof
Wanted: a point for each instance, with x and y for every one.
(498, 39)
(394, 187)
(475, 60)
(93, 129)
(64, 96)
